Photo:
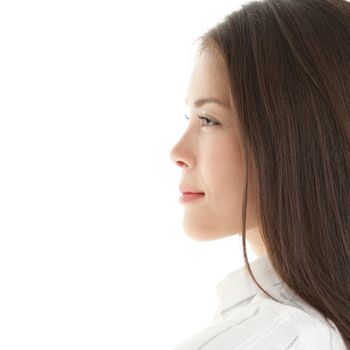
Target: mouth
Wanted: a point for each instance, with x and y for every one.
(192, 192)
(190, 196)
(188, 189)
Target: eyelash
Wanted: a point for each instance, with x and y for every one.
(201, 116)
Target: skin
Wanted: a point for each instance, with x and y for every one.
(211, 160)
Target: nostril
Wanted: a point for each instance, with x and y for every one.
(180, 163)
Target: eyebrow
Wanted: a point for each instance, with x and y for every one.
(202, 101)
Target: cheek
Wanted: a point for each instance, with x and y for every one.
(226, 170)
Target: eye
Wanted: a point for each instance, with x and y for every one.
(207, 121)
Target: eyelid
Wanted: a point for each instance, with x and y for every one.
(205, 117)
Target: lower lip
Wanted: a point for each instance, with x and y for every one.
(185, 198)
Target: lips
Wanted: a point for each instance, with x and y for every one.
(190, 190)
(190, 197)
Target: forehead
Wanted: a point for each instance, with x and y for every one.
(208, 79)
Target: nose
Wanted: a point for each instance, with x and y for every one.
(180, 163)
(172, 153)
(175, 158)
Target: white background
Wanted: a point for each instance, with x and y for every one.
(92, 250)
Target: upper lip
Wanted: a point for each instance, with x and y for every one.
(185, 189)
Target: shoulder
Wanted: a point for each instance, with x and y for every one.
(257, 327)
(310, 325)
(265, 324)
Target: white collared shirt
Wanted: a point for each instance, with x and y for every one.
(248, 319)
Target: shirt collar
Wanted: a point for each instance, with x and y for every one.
(238, 287)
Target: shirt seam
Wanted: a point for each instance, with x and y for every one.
(284, 317)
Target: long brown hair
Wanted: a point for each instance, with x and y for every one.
(288, 63)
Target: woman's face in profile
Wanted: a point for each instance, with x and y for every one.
(210, 156)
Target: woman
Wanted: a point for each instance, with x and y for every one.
(271, 159)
